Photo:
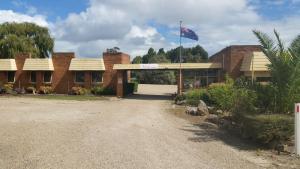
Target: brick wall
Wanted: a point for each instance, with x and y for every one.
(110, 75)
(232, 58)
(62, 78)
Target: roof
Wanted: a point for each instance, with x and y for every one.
(86, 64)
(8, 65)
(167, 66)
(259, 61)
(38, 64)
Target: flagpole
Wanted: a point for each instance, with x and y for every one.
(180, 73)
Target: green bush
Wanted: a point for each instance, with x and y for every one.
(46, 90)
(102, 91)
(77, 90)
(244, 101)
(193, 96)
(267, 129)
(222, 96)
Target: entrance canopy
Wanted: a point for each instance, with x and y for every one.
(170, 66)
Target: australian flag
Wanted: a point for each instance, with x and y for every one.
(187, 33)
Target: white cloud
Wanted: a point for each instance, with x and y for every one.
(11, 16)
(108, 23)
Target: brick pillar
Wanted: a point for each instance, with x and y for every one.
(21, 77)
(62, 78)
(120, 83)
(110, 75)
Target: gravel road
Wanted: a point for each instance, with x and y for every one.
(133, 133)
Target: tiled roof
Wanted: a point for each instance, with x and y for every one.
(38, 64)
(87, 64)
(257, 61)
(8, 65)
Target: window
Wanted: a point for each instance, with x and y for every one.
(96, 77)
(11, 77)
(47, 77)
(79, 77)
(33, 77)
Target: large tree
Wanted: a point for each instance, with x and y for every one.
(25, 38)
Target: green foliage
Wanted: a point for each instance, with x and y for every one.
(77, 90)
(195, 95)
(222, 95)
(244, 101)
(194, 54)
(46, 90)
(25, 38)
(102, 91)
(180, 97)
(137, 60)
(284, 69)
(267, 129)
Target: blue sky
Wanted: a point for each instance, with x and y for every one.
(88, 27)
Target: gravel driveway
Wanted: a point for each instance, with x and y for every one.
(120, 133)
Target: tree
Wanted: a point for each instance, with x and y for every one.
(25, 38)
(284, 69)
(194, 55)
(137, 60)
(150, 54)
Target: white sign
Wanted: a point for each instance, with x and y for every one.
(149, 66)
(297, 128)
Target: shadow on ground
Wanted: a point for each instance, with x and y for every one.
(149, 97)
(206, 132)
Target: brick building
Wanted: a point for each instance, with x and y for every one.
(63, 71)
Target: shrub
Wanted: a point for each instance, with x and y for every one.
(244, 101)
(8, 88)
(102, 91)
(267, 129)
(194, 95)
(222, 96)
(31, 89)
(180, 97)
(77, 90)
(46, 90)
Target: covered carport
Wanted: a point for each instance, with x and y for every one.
(123, 71)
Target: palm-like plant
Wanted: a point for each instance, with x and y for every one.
(284, 69)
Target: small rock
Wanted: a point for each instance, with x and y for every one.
(202, 108)
(180, 102)
(213, 118)
(192, 111)
(219, 112)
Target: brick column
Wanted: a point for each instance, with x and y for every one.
(62, 78)
(120, 83)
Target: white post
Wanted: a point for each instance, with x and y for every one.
(297, 128)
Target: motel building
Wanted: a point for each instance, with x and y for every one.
(63, 70)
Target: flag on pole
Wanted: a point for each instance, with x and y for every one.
(188, 33)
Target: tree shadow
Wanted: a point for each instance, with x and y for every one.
(206, 132)
(149, 97)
